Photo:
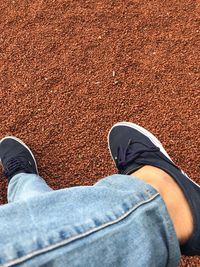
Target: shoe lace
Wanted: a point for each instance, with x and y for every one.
(129, 154)
(16, 164)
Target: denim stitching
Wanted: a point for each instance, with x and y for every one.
(65, 242)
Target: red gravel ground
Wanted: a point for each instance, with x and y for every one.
(70, 69)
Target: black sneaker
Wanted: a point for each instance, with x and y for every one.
(16, 157)
(132, 147)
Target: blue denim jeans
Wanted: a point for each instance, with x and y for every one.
(119, 221)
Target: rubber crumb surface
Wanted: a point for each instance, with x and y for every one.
(70, 69)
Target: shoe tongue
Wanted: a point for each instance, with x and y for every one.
(136, 150)
(127, 157)
(133, 156)
(136, 147)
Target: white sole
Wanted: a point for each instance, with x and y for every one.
(152, 138)
(22, 143)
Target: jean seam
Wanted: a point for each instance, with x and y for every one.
(77, 237)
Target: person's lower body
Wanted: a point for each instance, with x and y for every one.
(129, 219)
(120, 221)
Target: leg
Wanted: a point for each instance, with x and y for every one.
(25, 185)
(120, 221)
(20, 167)
(98, 225)
(138, 152)
(169, 190)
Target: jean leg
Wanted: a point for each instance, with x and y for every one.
(120, 221)
(25, 185)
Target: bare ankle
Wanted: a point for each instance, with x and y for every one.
(176, 203)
